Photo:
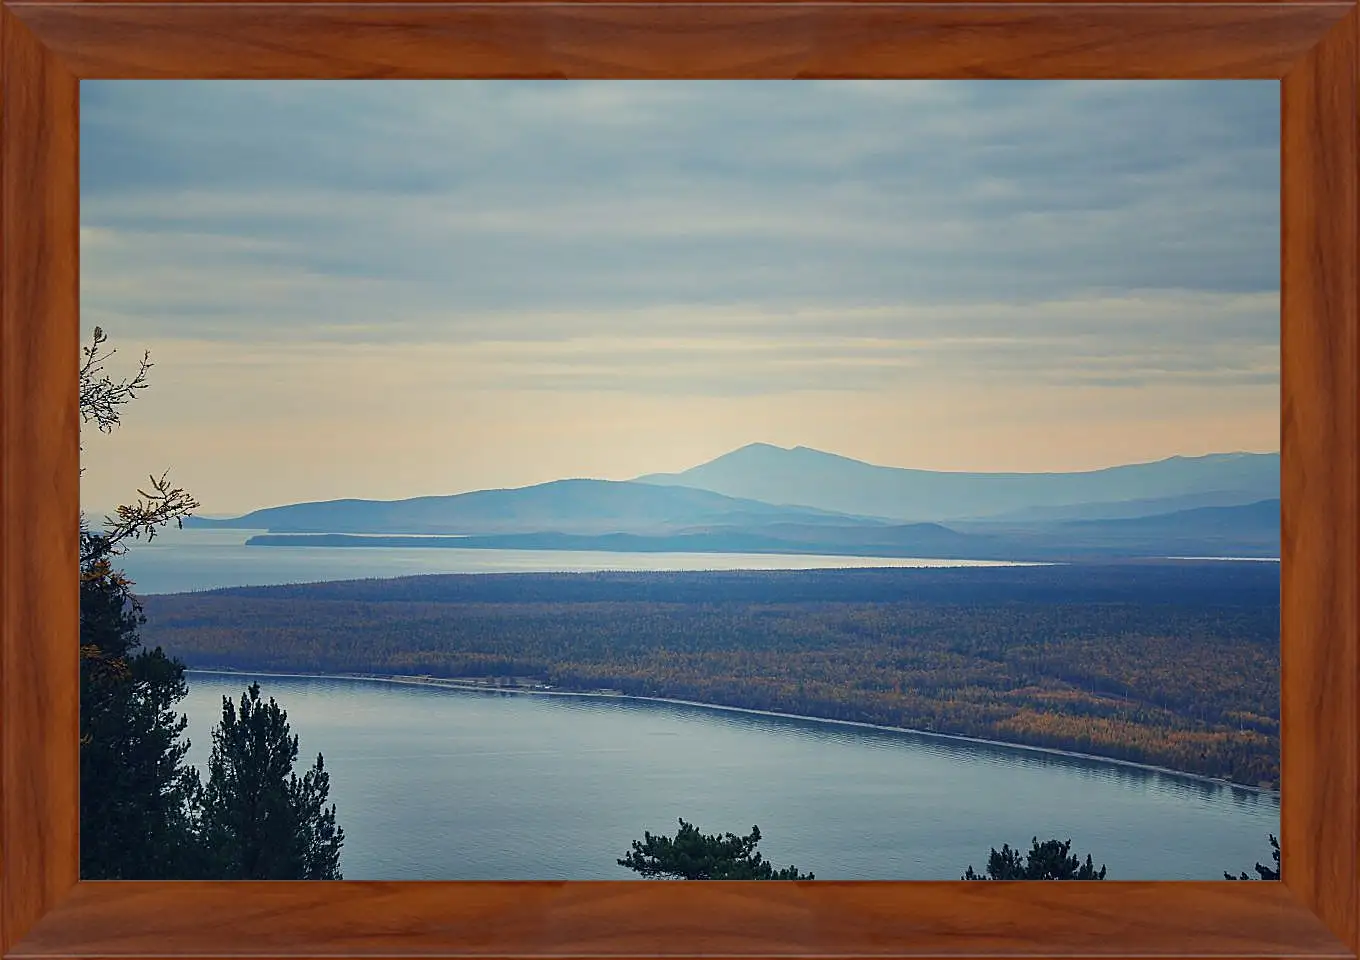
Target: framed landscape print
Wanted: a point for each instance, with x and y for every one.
(566, 456)
(978, 565)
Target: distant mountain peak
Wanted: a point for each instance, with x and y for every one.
(771, 449)
(803, 476)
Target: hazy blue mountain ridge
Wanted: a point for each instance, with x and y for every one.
(1244, 531)
(807, 477)
(560, 506)
(1223, 504)
(1125, 509)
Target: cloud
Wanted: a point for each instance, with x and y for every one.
(736, 350)
(512, 195)
(654, 243)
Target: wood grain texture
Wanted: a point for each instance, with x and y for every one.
(38, 480)
(677, 3)
(1320, 481)
(680, 919)
(391, 40)
(45, 46)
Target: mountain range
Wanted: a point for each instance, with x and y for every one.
(801, 475)
(559, 506)
(766, 499)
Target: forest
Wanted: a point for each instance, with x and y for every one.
(1175, 664)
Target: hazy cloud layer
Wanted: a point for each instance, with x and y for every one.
(677, 245)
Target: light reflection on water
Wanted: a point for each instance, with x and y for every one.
(181, 560)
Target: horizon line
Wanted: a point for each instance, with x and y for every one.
(218, 515)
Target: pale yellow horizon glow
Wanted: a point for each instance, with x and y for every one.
(250, 426)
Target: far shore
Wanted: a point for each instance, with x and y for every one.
(472, 686)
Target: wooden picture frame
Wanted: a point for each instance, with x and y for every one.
(47, 47)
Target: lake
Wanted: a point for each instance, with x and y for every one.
(196, 559)
(436, 784)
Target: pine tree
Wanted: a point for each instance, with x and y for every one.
(144, 814)
(1050, 860)
(1262, 871)
(691, 855)
(136, 794)
(260, 821)
(135, 790)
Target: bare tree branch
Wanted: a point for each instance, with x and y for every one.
(163, 504)
(100, 394)
(101, 398)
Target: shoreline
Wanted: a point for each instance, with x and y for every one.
(466, 686)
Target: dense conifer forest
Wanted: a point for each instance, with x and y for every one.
(1175, 664)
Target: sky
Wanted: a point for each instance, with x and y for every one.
(402, 288)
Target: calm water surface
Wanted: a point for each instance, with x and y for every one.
(436, 784)
(181, 560)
